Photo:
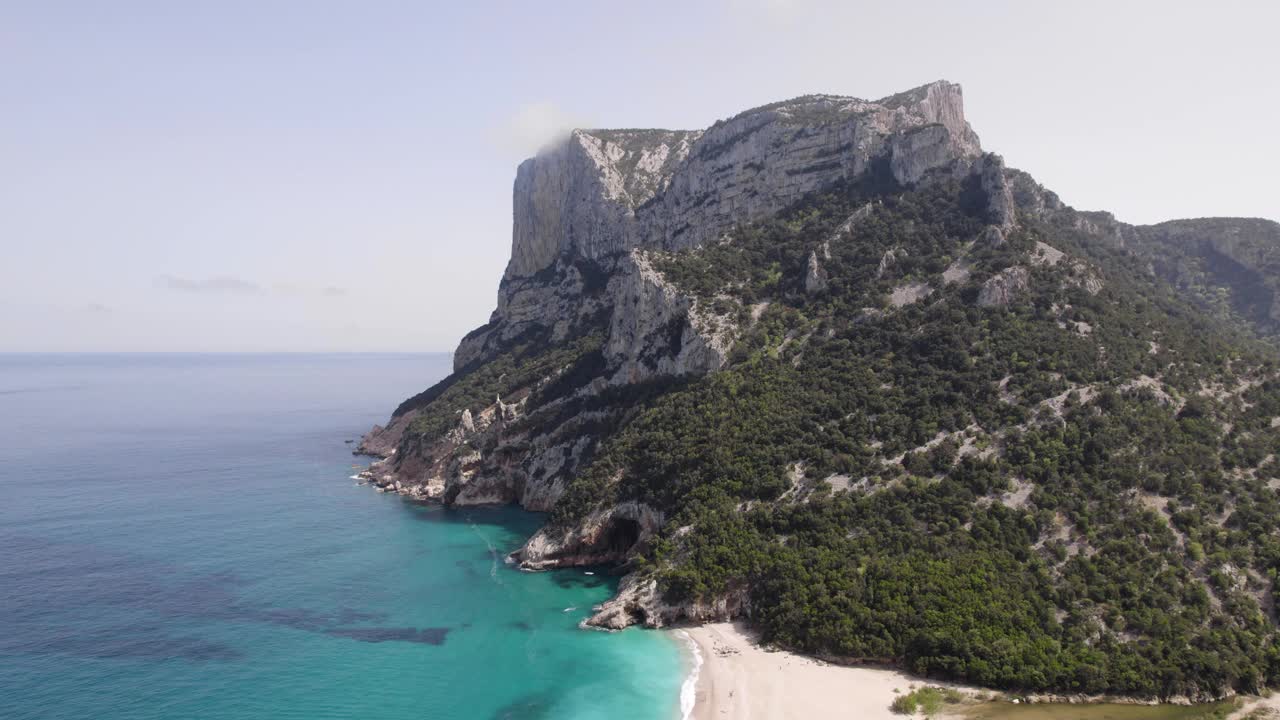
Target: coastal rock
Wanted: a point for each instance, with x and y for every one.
(557, 300)
(588, 214)
(605, 536)
(639, 602)
(381, 441)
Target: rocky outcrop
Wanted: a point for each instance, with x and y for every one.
(558, 300)
(1004, 287)
(1001, 209)
(639, 602)
(578, 197)
(613, 536)
(487, 458)
(603, 192)
(605, 536)
(815, 277)
(657, 330)
(598, 194)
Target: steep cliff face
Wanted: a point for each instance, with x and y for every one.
(830, 365)
(656, 329)
(588, 215)
(595, 196)
(602, 192)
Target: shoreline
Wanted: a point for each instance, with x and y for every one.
(692, 680)
(732, 677)
(735, 677)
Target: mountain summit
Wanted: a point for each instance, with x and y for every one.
(829, 366)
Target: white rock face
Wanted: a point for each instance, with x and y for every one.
(585, 203)
(604, 536)
(579, 196)
(1046, 254)
(605, 191)
(815, 277)
(555, 302)
(909, 293)
(657, 330)
(957, 272)
(1004, 287)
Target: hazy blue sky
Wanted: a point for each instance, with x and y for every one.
(263, 175)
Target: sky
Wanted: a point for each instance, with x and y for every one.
(273, 175)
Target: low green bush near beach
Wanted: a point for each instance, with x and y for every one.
(926, 700)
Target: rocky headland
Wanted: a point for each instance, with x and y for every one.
(638, 275)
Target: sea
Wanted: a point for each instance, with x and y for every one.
(181, 536)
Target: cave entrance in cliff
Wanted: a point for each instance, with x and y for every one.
(622, 536)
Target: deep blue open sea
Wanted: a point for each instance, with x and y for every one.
(180, 538)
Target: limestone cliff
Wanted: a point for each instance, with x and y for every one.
(588, 215)
(591, 216)
(599, 194)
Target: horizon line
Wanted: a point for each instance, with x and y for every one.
(226, 352)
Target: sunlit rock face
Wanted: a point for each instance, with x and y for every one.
(585, 202)
(591, 214)
(601, 192)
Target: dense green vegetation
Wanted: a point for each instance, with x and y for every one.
(1072, 492)
(1141, 553)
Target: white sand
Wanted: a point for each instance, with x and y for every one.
(738, 679)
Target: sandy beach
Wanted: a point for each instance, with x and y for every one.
(738, 679)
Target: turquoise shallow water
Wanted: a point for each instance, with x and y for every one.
(179, 538)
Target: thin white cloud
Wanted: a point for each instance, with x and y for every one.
(95, 307)
(217, 284)
(534, 126)
(230, 284)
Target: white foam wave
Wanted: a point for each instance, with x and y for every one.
(689, 690)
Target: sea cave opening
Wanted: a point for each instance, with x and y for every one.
(622, 535)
